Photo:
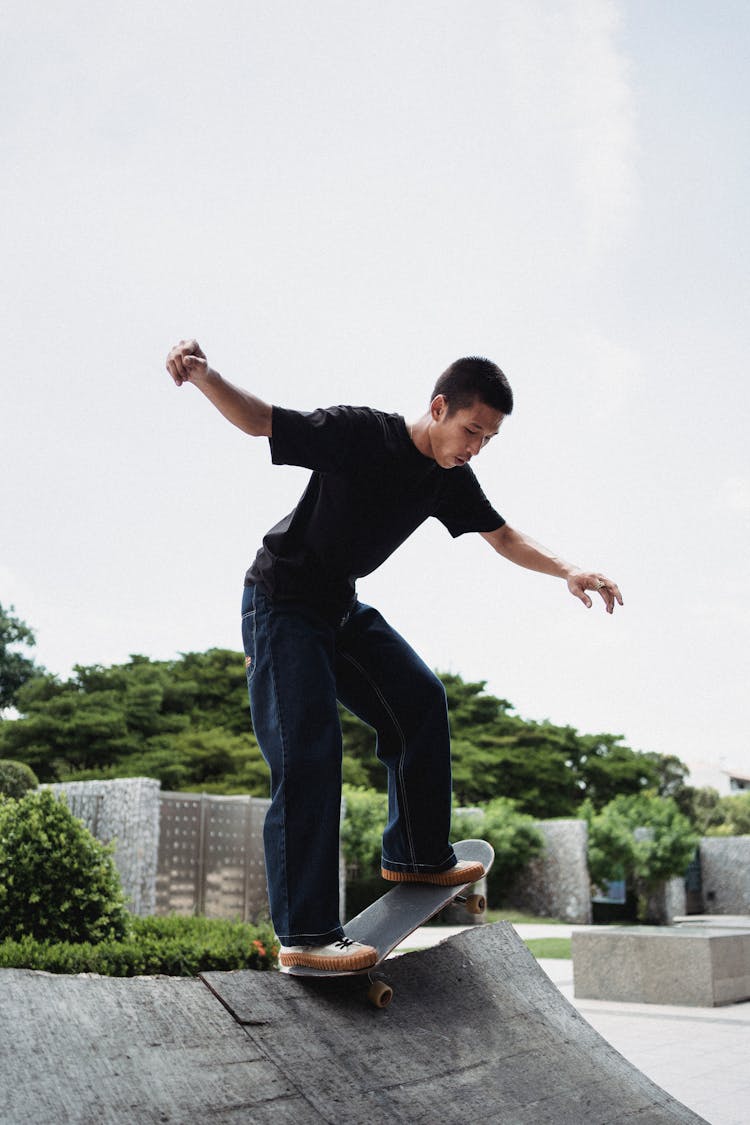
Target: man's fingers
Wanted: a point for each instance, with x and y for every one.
(609, 590)
(175, 365)
(180, 359)
(608, 599)
(174, 371)
(195, 366)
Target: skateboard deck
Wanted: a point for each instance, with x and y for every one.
(404, 908)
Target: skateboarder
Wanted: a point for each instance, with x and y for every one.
(309, 641)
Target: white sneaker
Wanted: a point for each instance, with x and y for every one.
(339, 956)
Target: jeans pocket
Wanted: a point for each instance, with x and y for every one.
(248, 643)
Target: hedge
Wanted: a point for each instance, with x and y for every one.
(169, 946)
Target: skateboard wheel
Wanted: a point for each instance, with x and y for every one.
(380, 994)
(476, 904)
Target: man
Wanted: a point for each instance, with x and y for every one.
(309, 641)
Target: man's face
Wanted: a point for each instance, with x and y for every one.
(456, 438)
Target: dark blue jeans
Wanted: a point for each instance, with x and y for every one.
(298, 665)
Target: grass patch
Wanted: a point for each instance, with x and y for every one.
(555, 948)
(518, 918)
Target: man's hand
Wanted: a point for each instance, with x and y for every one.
(580, 581)
(186, 362)
(523, 551)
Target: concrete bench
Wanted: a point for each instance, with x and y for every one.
(701, 966)
(718, 921)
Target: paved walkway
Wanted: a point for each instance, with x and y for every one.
(699, 1055)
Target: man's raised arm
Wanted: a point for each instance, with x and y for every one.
(186, 363)
(523, 551)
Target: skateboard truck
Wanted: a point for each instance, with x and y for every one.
(475, 904)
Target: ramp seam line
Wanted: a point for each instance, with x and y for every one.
(247, 1029)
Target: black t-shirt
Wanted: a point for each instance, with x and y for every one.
(369, 490)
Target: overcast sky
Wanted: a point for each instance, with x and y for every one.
(338, 199)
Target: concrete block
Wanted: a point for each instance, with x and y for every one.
(725, 873)
(700, 966)
(718, 921)
(557, 883)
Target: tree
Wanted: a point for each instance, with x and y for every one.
(703, 808)
(15, 668)
(714, 815)
(736, 815)
(547, 769)
(185, 722)
(645, 836)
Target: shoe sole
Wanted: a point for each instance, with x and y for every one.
(354, 962)
(449, 878)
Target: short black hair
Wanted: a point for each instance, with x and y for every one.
(474, 378)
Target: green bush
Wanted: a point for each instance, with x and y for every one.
(362, 830)
(170, 946)
(16, 778)
(732, 816)
(644, 836)
(513, 835)
(57, 882)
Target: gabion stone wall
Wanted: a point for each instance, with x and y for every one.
(725, 874)
(125, 811)
(556, 884)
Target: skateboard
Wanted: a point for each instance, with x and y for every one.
(390, 919)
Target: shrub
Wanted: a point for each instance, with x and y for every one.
(210, 943)
(57, 882)
(171, 946)
(513, 835)
(645, 836)
(735, 813)
(362, 830)
(16, 778)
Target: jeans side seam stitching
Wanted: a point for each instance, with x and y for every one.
(282, 740)
(397, 725)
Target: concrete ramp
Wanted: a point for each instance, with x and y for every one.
(476, 1032)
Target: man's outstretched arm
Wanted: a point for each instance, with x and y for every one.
(186, 363)
(523, 551)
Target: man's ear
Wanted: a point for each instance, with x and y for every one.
(438, 407)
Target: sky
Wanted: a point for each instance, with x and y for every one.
(337, 200)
